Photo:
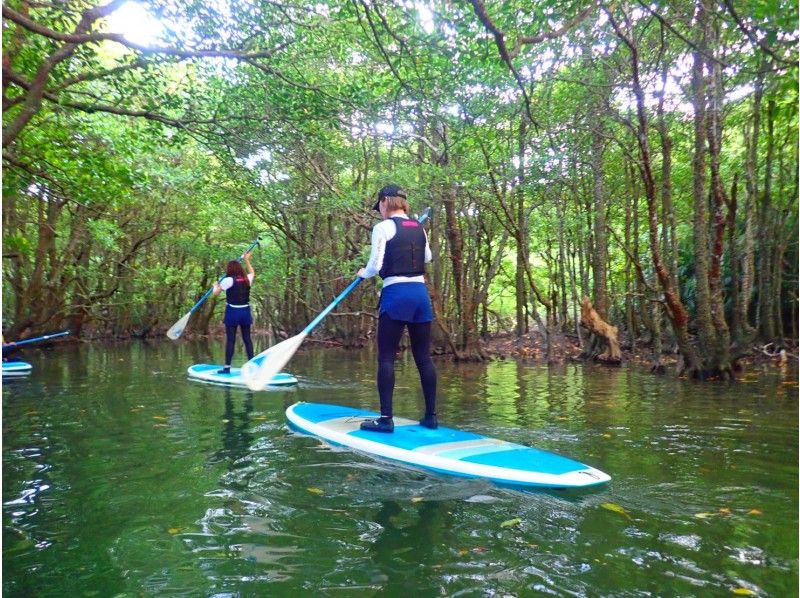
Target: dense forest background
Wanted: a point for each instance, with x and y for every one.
(641, 155)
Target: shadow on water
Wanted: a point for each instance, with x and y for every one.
(403, 552)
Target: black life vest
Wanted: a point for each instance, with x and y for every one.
(239, 293)
(405, 252)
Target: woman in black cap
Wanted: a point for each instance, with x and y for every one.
(399, 253)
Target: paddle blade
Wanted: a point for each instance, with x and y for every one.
(177, 328)
(258, 372)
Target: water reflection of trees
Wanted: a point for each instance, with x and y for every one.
(200, 352)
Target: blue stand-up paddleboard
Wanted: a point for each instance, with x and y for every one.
(444, 450)
(16, 368)
(210, 373)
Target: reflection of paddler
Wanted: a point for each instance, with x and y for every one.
(236, 436)
(398, 549)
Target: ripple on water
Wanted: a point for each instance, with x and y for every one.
(690, 541)
(218, 499)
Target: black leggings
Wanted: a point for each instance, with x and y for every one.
(389, 334)
(230, 339)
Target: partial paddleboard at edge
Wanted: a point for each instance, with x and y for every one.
(16, 368)
(444, 450)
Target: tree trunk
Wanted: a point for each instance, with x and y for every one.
(705, 327)
(562, 262)
(657, 367)
(720, 359)
(679, 318)
(669, 234)
(574, 296)
(600, 255)
(467, 341)
(737, 317)
(750, 206)
(766, 328)
(522, 235)
(628, 266)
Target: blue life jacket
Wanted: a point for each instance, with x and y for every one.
(239, 293)
(405, 252)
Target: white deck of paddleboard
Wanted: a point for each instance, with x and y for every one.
(435, 452)
(209, 373)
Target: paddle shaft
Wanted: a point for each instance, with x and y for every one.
(333, 304)
(211, 290)
(27, 341)
(425, 215)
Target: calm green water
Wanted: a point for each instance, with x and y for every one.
(121, 477)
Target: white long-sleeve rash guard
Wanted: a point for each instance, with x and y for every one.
(382, 233)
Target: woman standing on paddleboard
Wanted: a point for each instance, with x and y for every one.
(399, 253)
(237, 310)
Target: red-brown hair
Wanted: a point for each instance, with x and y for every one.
(396, 202)
(235, 270)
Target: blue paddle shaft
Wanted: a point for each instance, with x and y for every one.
(333, 304)
(425, 215)
(211, 290)
(27, 341)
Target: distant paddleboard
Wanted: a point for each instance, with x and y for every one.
(16, 368)
(444, 450)
(209, 373)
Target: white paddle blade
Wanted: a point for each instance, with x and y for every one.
(259, 371)
(177, 328)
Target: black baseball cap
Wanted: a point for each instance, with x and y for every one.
(389, 191)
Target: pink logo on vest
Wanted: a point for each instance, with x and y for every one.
(411, 223)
